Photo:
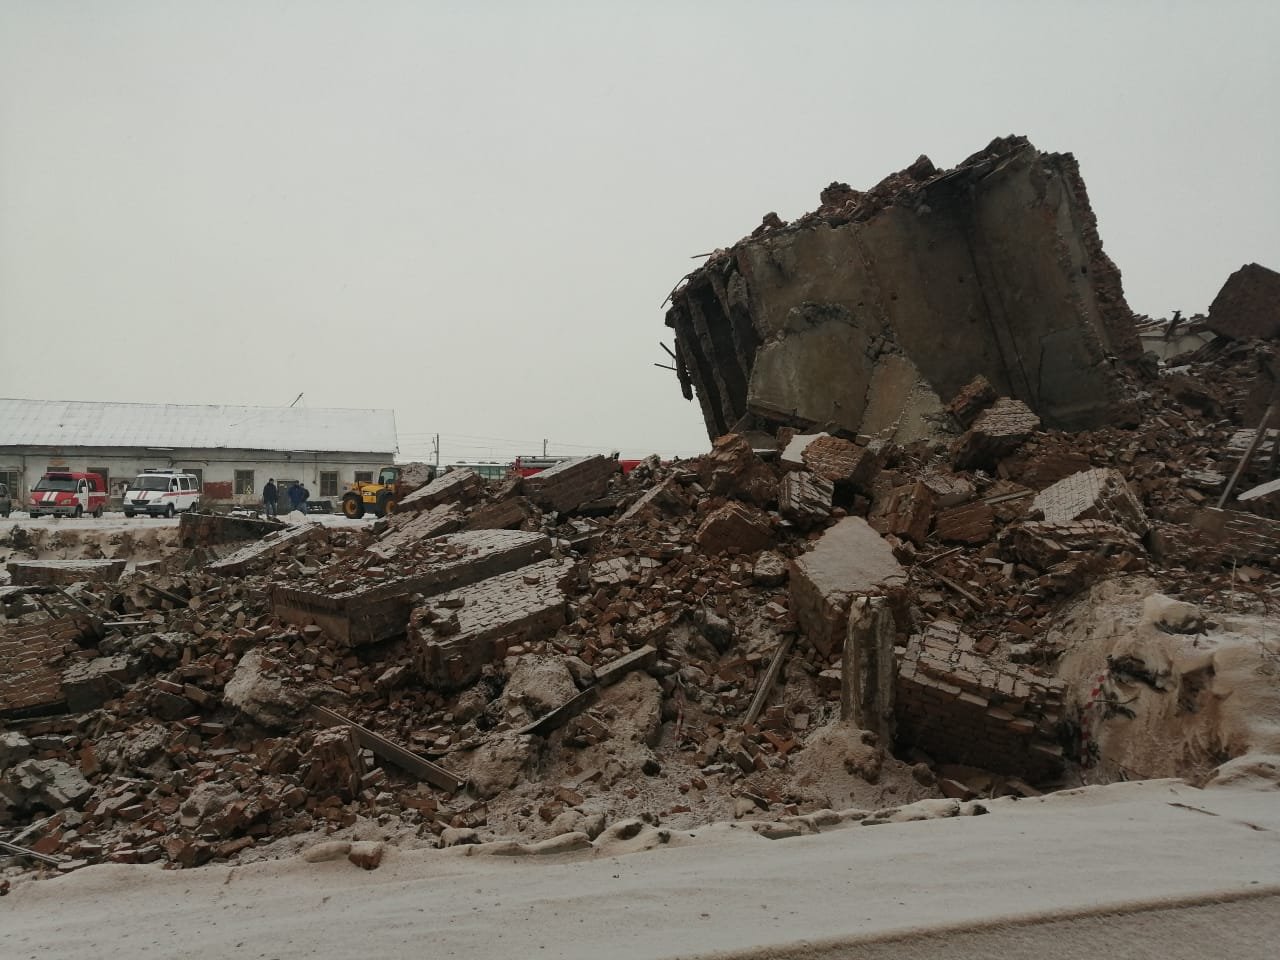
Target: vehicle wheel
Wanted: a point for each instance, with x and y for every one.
(79, 513)
(32, 514)
(386, 506)
(168, 512)
(128, 513)
(98, 512)
(352, 508)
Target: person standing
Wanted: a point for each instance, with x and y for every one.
(295, 496)
(304, 496)
(270, 498)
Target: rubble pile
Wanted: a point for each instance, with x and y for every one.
(861, 597)
(688, 654)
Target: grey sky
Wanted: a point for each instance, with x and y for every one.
(471, 212)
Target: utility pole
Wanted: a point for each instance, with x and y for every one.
(544, 447)
(435, 450)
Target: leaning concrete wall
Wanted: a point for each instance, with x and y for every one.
(857, 314)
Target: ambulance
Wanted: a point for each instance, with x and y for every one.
(162, 493)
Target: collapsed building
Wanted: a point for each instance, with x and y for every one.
(866, 313)
(977, 578)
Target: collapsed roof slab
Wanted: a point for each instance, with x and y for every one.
(862, 315)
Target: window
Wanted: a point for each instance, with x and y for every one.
(184, 483)
(244, 483)
(198, 473)
(104, 473)
(9, 478)
(364, 476)
(328, 483)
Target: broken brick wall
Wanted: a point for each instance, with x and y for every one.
(852, 319)
(953, 703)
(30, 664)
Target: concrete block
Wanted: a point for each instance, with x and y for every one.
(64, 572)
(867, 668)
(570, 484)
(1099, 494)
(804, 498)
(456, 486)
(970, 523)
(849, 559)
(457, 633)
(1248, 305)
(997, 432)
(88, 684)
(907, 511)
(735, 525)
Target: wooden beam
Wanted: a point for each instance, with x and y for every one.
(1248, 454)
(171, 597)
(17, 851)
(562, 714)
(768, 680)
(407, 760)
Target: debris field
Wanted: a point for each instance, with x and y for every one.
(853, 602)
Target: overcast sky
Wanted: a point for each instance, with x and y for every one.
(471, 212)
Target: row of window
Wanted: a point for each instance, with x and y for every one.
(246, 483)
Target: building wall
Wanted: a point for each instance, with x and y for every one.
(217, 468)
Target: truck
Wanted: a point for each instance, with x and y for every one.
(65, 494)
(380, 497)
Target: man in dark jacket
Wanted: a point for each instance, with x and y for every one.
(270, 498)
(295, 496)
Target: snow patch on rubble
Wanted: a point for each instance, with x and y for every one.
(1164, 689)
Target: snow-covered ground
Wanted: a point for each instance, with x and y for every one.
(1144, 869)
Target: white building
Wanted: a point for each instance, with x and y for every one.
(233, 450)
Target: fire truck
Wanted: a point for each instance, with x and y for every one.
(528, 466)
(64, 494)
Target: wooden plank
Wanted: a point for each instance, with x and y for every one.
(562, 714)
(17, 851)
(770, 678)
(392, 752)
(1248, 454)
(959, 589)
(165, 594)
(641, 659)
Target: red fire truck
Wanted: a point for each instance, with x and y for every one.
(528, 466)
(65, 494)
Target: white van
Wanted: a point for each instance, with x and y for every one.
(161, 493)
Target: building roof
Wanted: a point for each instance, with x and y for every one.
(77, 423)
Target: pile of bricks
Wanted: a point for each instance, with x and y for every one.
(951, 701)
(186, 713)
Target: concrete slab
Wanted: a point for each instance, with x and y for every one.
(849, 560)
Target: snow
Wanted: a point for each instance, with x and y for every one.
(1133, 857)
(73, 423)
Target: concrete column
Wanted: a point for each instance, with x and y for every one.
(867, 669)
